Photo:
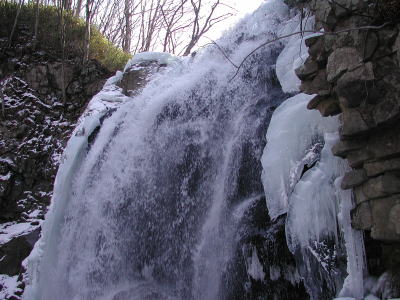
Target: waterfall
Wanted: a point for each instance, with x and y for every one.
(166, 200)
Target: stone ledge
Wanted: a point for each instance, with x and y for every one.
(381, 216)
(378, 187)
(380, 167)
(386, 216)
(354, 178)
(346, 146)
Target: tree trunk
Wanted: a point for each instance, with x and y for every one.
(87, 33)
(15, 22)
(35, 38)
(62, 40)
(78, 8)
(126, 44)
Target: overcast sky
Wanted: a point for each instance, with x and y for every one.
(243, 7)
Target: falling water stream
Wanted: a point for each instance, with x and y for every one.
(154, 207)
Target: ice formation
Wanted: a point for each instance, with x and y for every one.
(151, 207)
(146, 209)
(301, 178)
(162, 58)
(295, 52)
(293, 139)
(110, 97)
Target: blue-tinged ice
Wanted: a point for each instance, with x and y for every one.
(302, 179)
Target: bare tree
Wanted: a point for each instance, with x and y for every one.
(202, 24)
(36, 33)
(61, 9)
(172, 17)
(78, 8)
(89, 4)
(174, 26)
(21, 2)
(129, 10)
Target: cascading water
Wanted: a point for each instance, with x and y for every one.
(148, 213)
(167, 201)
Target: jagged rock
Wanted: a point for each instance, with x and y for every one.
(382, 186)
(314, 102)
(55, 74)
(318, 53)
(361, 216)
(387, 35)
(310, 41)
(388, 286)
(308, 70)
(386, 216)
(342, 8)
(324, 13)
(388, 109)
(397, 48)
(37, 76)
(74, 87)
(352, 123)
(357, 158)
(319, 85)
(136, 77)
(340, 61)
(380, 167)
(94, 87)
(354, 178)
(347, 7)
(353, 87)
(15, 251)
(385, 144)
(368, 44)
(344, 147)
(328, 107)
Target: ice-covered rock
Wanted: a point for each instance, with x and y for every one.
(162, 58)
(294, 140)
(295, 52)
(302, 178)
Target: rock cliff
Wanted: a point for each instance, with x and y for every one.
(35, 124)
(354, 70)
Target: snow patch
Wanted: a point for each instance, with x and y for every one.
(162, 58)
(8, 286)
(11, 230)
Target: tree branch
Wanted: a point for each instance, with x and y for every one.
(302, 32)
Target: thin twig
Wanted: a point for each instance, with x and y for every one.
(222, 51)
(302, 32)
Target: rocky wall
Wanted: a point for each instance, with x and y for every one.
(354, 70)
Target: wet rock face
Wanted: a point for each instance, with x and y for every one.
(136, 77)
(35, 126)
(15, 251)
(262, 242)
(362, 74)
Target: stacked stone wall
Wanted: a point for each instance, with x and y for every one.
(356, 73)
